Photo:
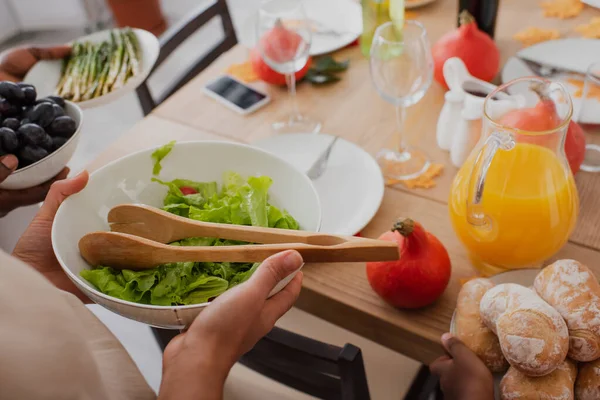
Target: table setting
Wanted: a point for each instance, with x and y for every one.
(466, 148)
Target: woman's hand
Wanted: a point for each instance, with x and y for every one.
(11, 199)
(197, 362)
(462, 374)
(15, 63)
(35, 245)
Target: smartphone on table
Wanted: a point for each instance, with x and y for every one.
(236, 95)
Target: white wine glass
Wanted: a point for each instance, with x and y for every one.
(402, 71)
(587, 117)
(284, 36)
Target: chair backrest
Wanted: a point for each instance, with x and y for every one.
(312, 367)
(175, 36)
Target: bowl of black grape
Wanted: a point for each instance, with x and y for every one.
(41, 132)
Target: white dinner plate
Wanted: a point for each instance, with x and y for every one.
(573, 54)
(593, 3)
(45, 74)
(409, 4)
(350, 189)
(343, 16)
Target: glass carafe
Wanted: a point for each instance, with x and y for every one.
(514, 203)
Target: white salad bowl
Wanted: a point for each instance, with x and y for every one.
(128, 180)
(49, 166)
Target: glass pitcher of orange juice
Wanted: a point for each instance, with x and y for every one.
(514, 203)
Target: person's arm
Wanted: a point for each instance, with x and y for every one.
(197, 362)
(35, 245)
(463, 376)
(15, 63)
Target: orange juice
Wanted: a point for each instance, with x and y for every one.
(531, 204)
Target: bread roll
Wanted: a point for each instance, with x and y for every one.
(587, 386)
(573, 290)
(533, 336)
(557, 385)
(472, 331)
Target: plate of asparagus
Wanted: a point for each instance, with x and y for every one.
(102, 67)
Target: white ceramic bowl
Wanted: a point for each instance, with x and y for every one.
(128, 180)
(51, 165)
(45, 74)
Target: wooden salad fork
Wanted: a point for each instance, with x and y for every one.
(140, 233)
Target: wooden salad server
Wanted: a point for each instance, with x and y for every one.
(140, 233)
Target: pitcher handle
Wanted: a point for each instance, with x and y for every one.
(475, 214)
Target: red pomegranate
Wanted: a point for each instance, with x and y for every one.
(421, 274)
(279, 45)
(267, 74)
(477, 50)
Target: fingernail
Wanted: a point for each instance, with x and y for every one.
(292, 260)
(11, 162)
(446, 336)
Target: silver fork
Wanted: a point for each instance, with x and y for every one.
(545, 71)
(319, 166)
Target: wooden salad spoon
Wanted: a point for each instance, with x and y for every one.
(139, 234)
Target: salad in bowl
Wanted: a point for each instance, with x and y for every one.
(206, 181)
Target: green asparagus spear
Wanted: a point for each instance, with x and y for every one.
(115, 67)
(136, 43)
(65, 71)
(81, 77)
(67, 89)
(98, 68)
(110, 55)
(62, 87)
(133, 51)
(122, 75)
(93, 67)
(102, 79)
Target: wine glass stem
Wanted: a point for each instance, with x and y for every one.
(290, 80)
(400, 117)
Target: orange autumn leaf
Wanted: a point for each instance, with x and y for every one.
(243, 72)
(593, 90)
(532, 35)
(425, 181)
(562, 9)
(591, 30)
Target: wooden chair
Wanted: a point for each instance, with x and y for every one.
(425, 386)
(175, 36)
(312, 367)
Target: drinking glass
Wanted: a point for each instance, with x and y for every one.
(401, 70)
(588, 117)
(283, 35)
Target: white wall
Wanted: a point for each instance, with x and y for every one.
(9, 24)
(48, 14)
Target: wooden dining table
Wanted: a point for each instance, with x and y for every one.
(351, 109)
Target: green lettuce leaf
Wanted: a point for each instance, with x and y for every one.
(159, 154)
(171, 284)
(256, 200)
(240, 201)
(242, 277)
